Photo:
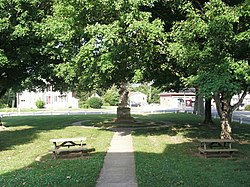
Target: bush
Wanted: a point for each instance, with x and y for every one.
(95, 102)
(83, 104)
(112, 96)
(40, 104)
(3, 105)
(106, 104)
(247, 107)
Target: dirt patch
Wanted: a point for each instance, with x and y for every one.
(69, 156)
(3, 128)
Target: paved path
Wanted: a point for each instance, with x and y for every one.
(119, 165)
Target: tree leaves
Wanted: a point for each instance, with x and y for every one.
(205, 43)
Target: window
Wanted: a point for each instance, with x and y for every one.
(48, 99)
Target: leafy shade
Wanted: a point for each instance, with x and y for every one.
(114, 51)
(209, 41)
(22, 48)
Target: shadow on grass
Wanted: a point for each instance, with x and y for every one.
(191, 126)
(181, 165)
(22, 130)
(65, 171)
(177, 165)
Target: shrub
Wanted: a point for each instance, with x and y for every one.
(2, 105)
(106, 104)
(85, 105)
(247, 107)
(40, 104)
(95, 102)
(112, 96)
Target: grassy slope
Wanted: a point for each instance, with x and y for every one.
(169, 156)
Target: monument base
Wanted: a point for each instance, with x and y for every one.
(123, 115)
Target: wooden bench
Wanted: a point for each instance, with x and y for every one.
(69, 145)
(217, 152)
(216, 147)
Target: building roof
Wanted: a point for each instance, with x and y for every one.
(136, 93)
(170, 94)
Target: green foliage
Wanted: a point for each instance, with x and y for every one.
(112, 48)
(206, 44)
(95, 102)
(24, 57)
(247, 107)
(8, 99)
(40, 104)
(83, 104)
(112, 96)
(2, 105)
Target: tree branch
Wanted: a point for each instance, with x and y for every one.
(218, 103)
(236, 105)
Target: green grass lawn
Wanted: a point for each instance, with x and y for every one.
(24, 157)
(164, 156)
(169, 156)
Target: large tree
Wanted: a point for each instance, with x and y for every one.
(114, 45)
(23, 56)
(215, 41)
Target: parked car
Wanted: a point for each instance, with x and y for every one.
(134, 104)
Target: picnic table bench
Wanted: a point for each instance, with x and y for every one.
(218, 147)
(69, 145)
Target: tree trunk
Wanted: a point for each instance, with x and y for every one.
(226, 130)
(123, 92)
(1, 124)
(225, 112)
(195, 111)
(208, 112)
(201, 109)
(199, 104)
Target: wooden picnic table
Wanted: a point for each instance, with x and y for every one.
(69, 145)
(68, 142)
(216, 146)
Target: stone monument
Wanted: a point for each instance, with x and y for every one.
(123, 111)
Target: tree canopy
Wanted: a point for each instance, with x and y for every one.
(114, 48)
(90, 44)
(211, 42)
(22, 53)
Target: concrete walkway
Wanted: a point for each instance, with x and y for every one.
(119, 165)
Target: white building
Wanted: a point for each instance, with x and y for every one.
(180, 100)
(137, 99)
(177, 100)
(52, 99)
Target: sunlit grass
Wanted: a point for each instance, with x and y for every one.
(25, 160)
(164, 156)
(169, 156)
